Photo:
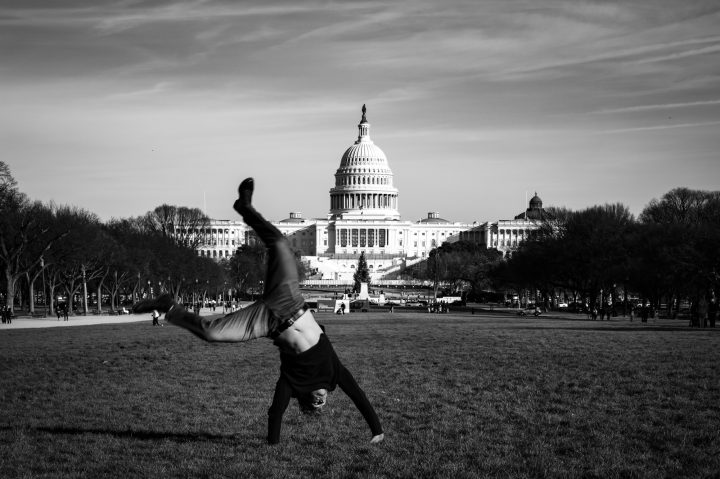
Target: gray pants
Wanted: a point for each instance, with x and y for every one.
(281, 299)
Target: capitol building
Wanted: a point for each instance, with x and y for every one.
(364, 218)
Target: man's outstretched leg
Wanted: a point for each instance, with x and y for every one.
(282, 285)
(242, 325)
(282, 297)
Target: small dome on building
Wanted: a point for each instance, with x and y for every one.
(295, 217)
(535, 210)
(535, 201)
(433, 218)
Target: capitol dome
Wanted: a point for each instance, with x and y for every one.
(364, 182)
(364, 153)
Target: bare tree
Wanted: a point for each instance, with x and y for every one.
(186, 226)
(27, 231)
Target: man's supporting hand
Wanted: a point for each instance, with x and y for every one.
(377, 439)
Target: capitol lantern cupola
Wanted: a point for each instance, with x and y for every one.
(364, 182)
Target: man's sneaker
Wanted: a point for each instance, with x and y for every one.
(162, 303)
(245, 192)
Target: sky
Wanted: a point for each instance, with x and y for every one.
(119, 106)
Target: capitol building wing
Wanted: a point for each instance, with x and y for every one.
(364, 217)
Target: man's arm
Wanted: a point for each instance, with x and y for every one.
(347, 383)
(281, 399)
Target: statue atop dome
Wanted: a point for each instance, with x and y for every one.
(364, 120)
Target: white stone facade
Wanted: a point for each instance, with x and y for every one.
(364, 217)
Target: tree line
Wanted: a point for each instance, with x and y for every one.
(668, 256)
(67, 252)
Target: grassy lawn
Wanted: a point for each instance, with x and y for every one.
(459, 395)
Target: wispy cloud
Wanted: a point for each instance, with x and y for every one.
(626, 54)
(114, 17)
(121, 20)
(682, 54)
(662, 106)
(659, 127)
(155, 89)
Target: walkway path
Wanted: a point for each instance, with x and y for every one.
(52, 322)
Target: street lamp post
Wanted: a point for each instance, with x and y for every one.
(222, 295)
(85, 298)
(42, 265)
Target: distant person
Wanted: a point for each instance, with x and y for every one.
(155, 318)
(309, 367)
(703, 307)
(712, 312)
(694, 316)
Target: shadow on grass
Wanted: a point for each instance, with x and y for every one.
(132, 434)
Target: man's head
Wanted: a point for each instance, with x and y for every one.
(313, 401)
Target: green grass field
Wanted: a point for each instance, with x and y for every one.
(459, 395)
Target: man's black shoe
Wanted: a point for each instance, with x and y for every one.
(245, 192)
